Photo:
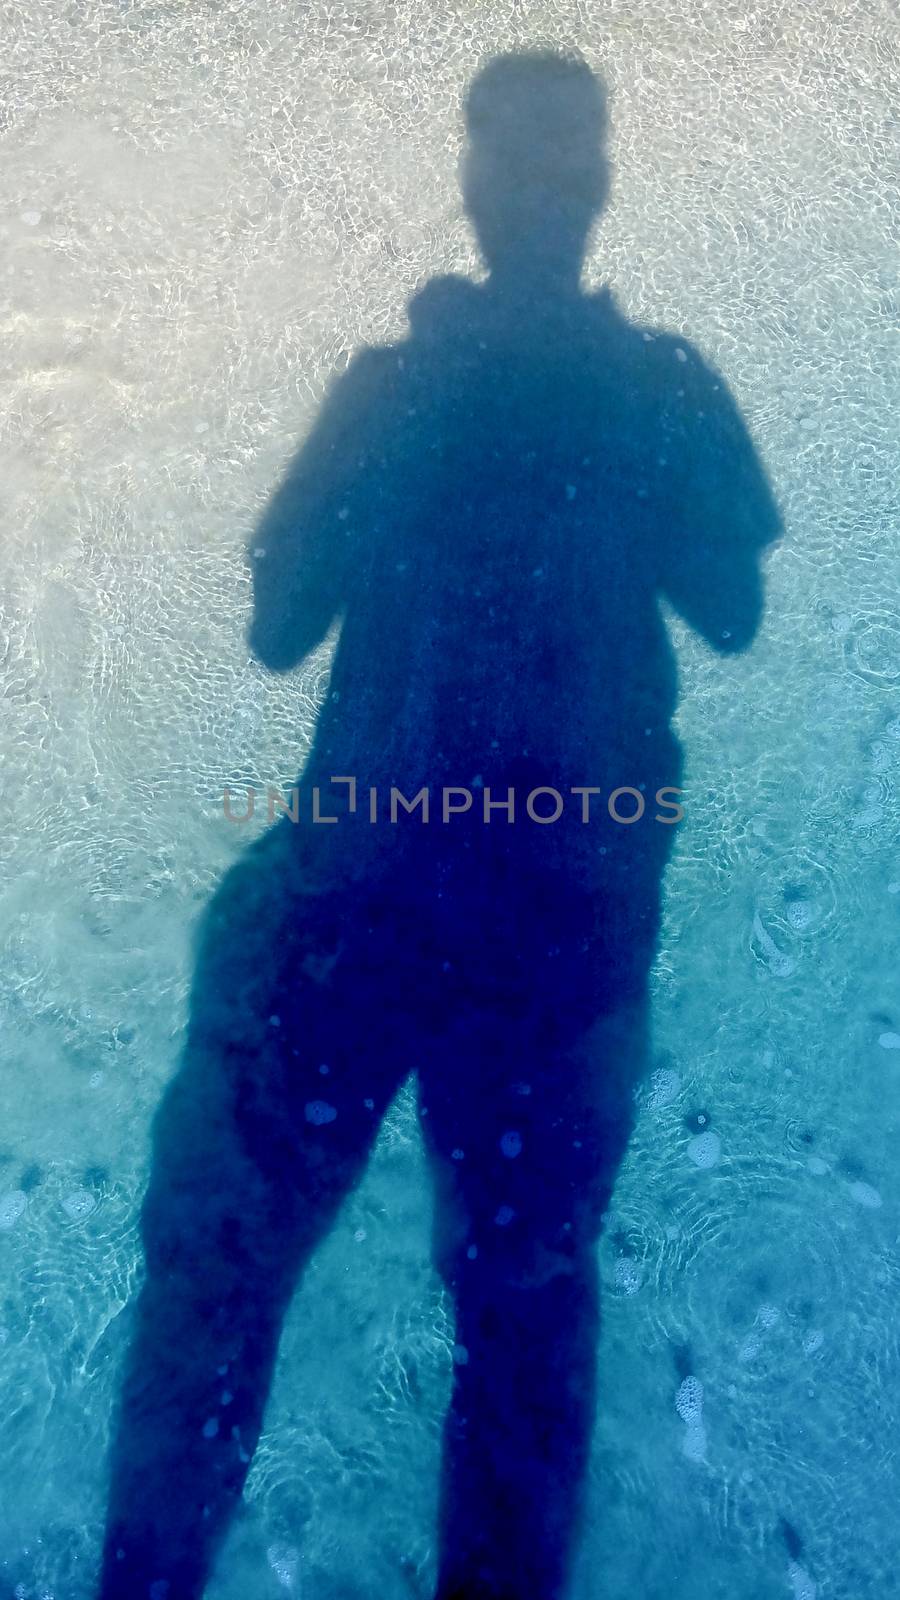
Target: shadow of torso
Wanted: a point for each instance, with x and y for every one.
(502, 551)
(502, 597)
(494, 509)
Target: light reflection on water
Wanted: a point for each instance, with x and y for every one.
(204, 215)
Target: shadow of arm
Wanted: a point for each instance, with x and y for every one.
(723, 518)
(306, 547)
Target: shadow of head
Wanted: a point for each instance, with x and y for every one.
(535, 174)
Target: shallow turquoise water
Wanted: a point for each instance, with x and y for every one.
(205, 214)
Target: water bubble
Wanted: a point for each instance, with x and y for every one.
(799, 915)
(211, 1428)
(889, 1041)
(871, 816)
(705, 1149)
(284, 1560)
(776, 960)
(511, 1144)
(664, 1087)
(865, 1195)
(801, 1582)
(689, 1405)
(873, 649)
(628, 1275)
(319, 1112)
(80, 1203)
(766, 1317)
(12, 1204)
(694, 1442)
(689, 1399)
(750, 1347)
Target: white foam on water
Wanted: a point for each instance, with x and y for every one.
(689, 1400)
(664, 1087)
(628, 1275)
(705, 1149)
(12, 1206)
(802, 1585)
(284, 1561)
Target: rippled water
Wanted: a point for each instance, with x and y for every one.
(204, 211)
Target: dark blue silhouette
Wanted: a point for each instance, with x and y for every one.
(491, 510)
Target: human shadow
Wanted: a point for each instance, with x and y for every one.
(489, 512)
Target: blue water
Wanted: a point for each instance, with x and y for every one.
(206, 214)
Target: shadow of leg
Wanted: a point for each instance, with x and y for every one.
(223, 1245)
(518, 1434)
(517, 1219)
(253, 1153)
